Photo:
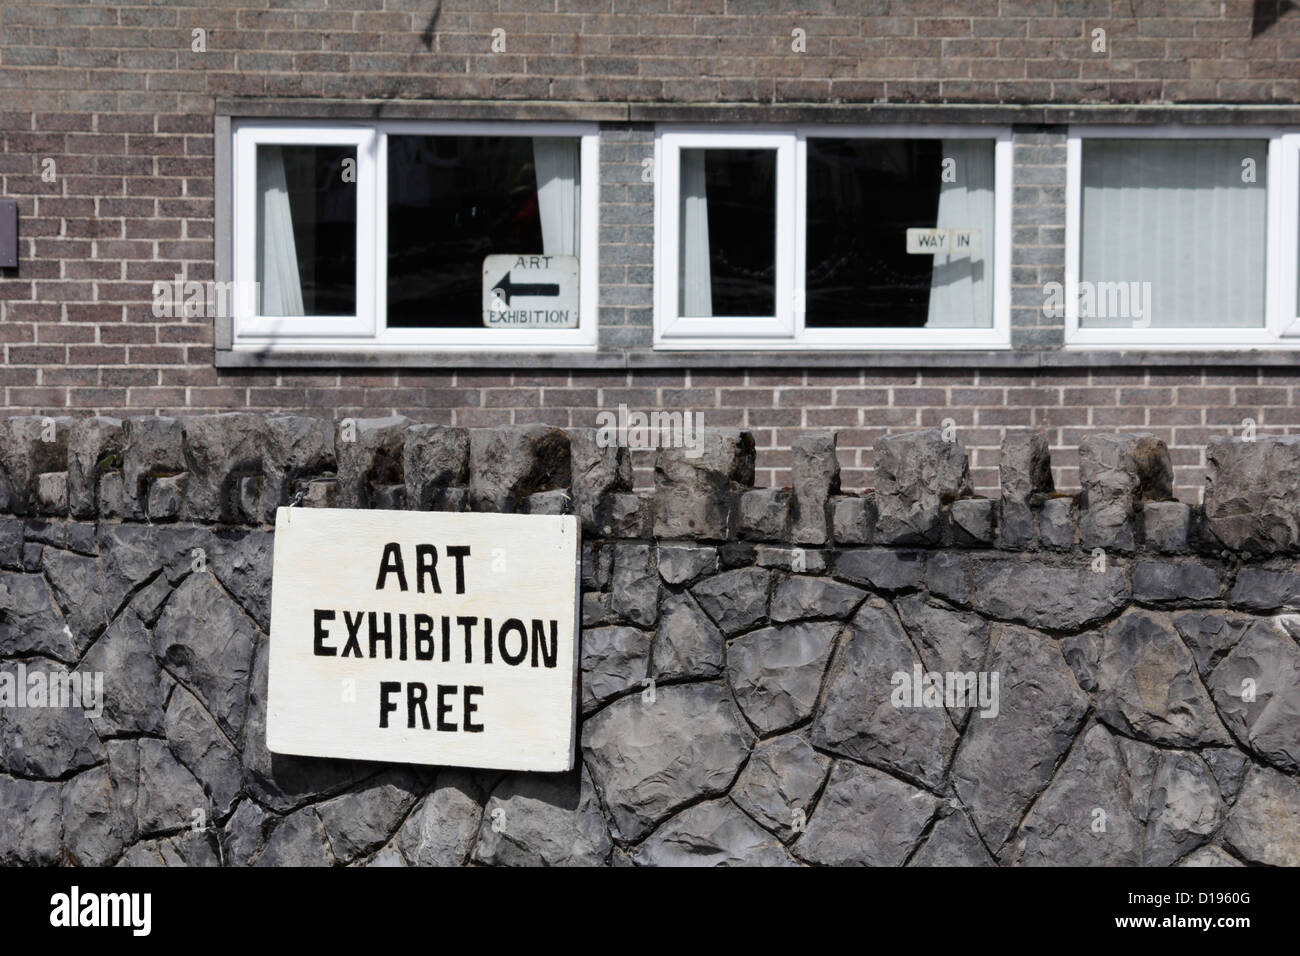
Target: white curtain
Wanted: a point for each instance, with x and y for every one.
(1176, 214)
(960, 286)
(277, 254)
(694, 274)
(555, 163)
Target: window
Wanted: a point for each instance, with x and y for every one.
(412, 235)
(1179, 237)
(828, 237)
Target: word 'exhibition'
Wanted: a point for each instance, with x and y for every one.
(424, 637)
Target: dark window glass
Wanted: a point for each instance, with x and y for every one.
(863, 197)
(307, 230)
(727, 246)
(452, 201)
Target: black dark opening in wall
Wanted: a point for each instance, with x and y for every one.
(452, 201)
(740, 190)
(863, 196)
(320, 183)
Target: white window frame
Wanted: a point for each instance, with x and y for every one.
(1285, 238)
(248, 324)
(787, 329)
(367, 331)
(1279, 236)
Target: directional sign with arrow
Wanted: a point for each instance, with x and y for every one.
(530, 292)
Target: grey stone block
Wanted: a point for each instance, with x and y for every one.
(696, 489)
(296, 449)
(1045, 596)
(219, 451)
(816, 472)
(865, 818)
(509, 463)
(1118, 474)
(434, 459)
(1056, 523)
(796, 560)
(629, 516)
(1262, 825)
(1148, 686)
(686, 563)
(882, 568)
(687, 645)
(1165, 525)
(152, 447)
(1266, 589)
(601, 470)
(372, 457)
(765, 514)
(714, 833)
(555, 502)
(1024, 471)
(1180, 582)
(94, 446)
(634, 592)
(30, 446)
(52, 493)
(110, 495)
(917, 474)
(853, 520)
(1251, 503)
(973, 522)
(690, 740)
(167, 497)
(322, 493)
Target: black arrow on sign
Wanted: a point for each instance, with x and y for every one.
(507, 289)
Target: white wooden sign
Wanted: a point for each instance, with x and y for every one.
(955, 242)
(530, 292)
(424, 637)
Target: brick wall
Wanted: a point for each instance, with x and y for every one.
(1185, 407)
(111, 99)
(139, 57)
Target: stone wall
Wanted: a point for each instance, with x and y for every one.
(749, 656)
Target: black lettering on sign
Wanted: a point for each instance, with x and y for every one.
(460, 552)
(468, 624)
(550, 656)
(320, 650)
(426, 562)
(470, 708)
(417, 702)
(444, 707)
(386, 635)
(514, 624)
(391, 563)
(424, 637)
(386, 707)
(354, 628)
(416, 695)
